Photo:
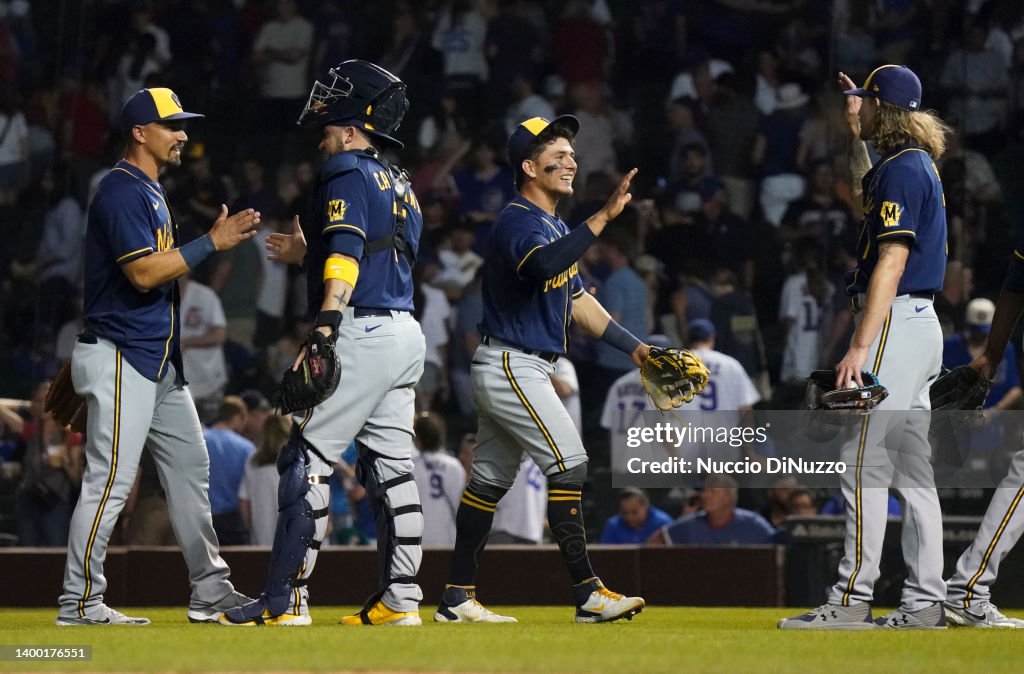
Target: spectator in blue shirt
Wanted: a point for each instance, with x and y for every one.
(720, 522)
(637, 519)
(229, 452)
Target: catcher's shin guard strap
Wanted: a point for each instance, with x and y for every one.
(619, 337)
(296, 526)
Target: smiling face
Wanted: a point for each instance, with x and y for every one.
(554, 169)
(164, 142)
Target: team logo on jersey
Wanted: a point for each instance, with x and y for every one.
(336, 210)
(891, 213)
(164, 237)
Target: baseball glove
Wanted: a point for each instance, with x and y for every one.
(962, 388)
(314, 381)
(67, 407)
(823, 396)
(673, 376)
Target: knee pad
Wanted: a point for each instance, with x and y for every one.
(296, 524)
(485, 490)
(573, 477)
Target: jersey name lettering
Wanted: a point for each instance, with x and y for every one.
(561, 279)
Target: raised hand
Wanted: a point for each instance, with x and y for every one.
(287, 248)
(229, 231)
(853, 104)
(619, 198)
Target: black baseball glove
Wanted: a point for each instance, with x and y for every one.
(845, 405)
(673, 376)
(314, 381)
(962, 388)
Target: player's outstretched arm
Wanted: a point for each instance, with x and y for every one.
(287, 248)
(1009, 307)
(598, 323)
(613, 207)
(155, 269)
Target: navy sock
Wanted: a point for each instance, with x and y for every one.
(472, 524)
(565, 517)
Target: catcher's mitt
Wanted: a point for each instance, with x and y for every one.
(673, 376)
(962, 388)
(314, 381)
(67, 407)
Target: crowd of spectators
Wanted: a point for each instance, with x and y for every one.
(741, 215)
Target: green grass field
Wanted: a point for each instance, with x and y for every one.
(662, 639)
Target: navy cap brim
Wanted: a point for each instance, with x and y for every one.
(857, 92)
(569, 121)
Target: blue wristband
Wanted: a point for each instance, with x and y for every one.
(621, 338)
(197, 250)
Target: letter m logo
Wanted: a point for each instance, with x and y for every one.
(891, 214)
(336, 210)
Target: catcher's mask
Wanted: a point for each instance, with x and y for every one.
(361, 94)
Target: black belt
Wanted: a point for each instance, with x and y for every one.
(549, 356)
(87, 336)
(370, 312)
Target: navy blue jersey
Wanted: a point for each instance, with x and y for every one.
(903, 200)
(529, 314)
(128, 219)
(355, 203)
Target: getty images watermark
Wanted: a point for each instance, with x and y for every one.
(676, 436)
(882, 449)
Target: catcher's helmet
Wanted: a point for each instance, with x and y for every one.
(359, 94)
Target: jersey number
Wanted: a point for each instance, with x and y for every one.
(638, 407)
(709, 397)
(812, 316)
(436, 486)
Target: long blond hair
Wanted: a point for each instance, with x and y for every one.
(276, 430)
(896, 127)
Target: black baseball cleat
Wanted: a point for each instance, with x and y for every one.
(597, 604)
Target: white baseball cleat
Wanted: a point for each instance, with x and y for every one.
(459, 605)
(856, 616)
(597, 604)
(104, 615)
(929, 618)
(983, 614)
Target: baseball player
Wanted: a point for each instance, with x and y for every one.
(127, 365)
(968, 592)
(440, 479)
(901, 262)
(531, 291)
(363, 239)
